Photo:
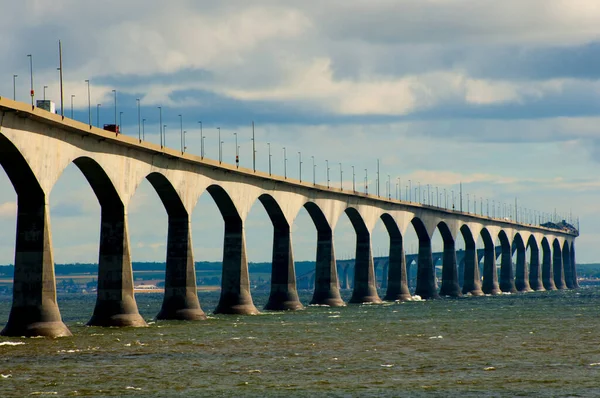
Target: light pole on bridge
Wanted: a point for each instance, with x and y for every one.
(284, 164)
(139, 119)
(300, 166)
(115, 92)
(201, 141)
(72, 96)
(219, 137)
(31, 92)
(160, 132)
(269, 150)
(45, 87)
(98, 115)
(353, 183)
(89, 102)
(143, 129)
(15, 87)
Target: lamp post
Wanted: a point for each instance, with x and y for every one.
(389, 188)
(15, 87)
(300, 166)
(313, 169)
(31, 92)
(45, 87)
(269, 151)
(378, 181)
(353, 184)
(181, 132)
(237, 155)
(452, 198)
(184, 147)
(253, 149)
(115, 92)
(119, 130)
(219, 129)
(327, 164)
(284, 164)
(72, 96)
(165, 135)
(341, 179)
(139, 119)
(98, 115)
(160, 132)
(143, 129)
(201, 141)
(89, 102)
(410, 191)
(366, 182)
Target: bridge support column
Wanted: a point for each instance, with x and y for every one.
(558, 270)
(568, 269)
(472, 282)
(522, 276)
(426, 284)
(507, 277)
(574, 267)
(235, 281)
(490, 273)
(327, 289)
(397, 277)
(115, 303)
(284, 295)
(365, 289)
(181, 295)
(450, 286)
(535, 274)
(34, 310)
(547, 274)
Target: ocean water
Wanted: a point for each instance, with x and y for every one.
(534, 344)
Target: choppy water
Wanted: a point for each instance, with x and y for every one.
(536, 344)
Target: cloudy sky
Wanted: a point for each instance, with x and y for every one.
(501, 96)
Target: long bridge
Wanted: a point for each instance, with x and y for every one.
(36, 146)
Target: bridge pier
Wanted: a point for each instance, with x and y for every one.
(34, 310)
(327, 289)
(567, 267)
(490, 273)
(557, 266)
(522, 277)
(574, 267)
(365, 289)
(535, 274)
(284, 294)
(450, 286)
(426, 284)
(397, 277)
(115, 302)
(472, 283)
(181, 296)
(547, 273)
(235, 281)
(507, 277)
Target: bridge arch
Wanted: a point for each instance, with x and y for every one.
(450, 285)
(426, 281)
(472, 278)
(557, 265)
(490, 273)
(522, 272)
(34, 310)
(507, 279)
(327, 288)
(365, 289)
(567, 266)
(535, 265)
(235, 282)
(397, 278)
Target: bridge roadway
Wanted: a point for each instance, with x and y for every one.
(36, 146)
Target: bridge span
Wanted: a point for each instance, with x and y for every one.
(36, 146)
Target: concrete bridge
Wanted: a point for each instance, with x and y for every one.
(36, 146)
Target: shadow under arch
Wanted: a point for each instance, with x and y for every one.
(34, 310)
(235, 282)
(180, 301)
(507, 276)
(450, 285)
(472, 278)
(327, 287)
(547, 272)
(397, 277)
(567, 265)
(426, 281)
(284, 294)
(557, 265)
(522, 272)
(365, 289)
(535, 271)
(115, 301)
(490, 273)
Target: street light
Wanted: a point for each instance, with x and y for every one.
(410, 191)
(181, 133)
(165, 135)
(139, 119)
(237, 155)
(31, 76)
(98, 115)
(219, 129)
(353, 184)
(45, 87)
(89, 102)
(313, 170)
(115, 92)
(160, 132)
(120, 123)
(366, 184)
(327, 163)
(300, 166)
(72, 96)
(341, 179)
(269, 145)
(143, 129)
(201, 141)
(184, 147)
(389, 188)
(284, 164)
(15, 87)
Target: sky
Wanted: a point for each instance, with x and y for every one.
(503, 97)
